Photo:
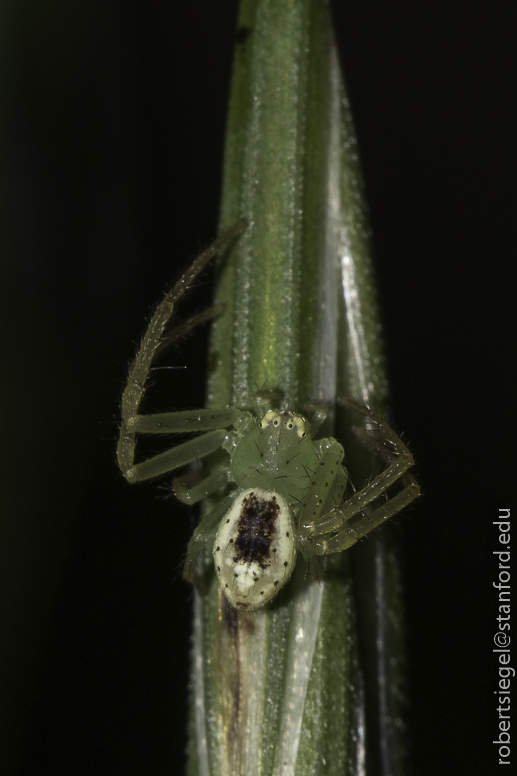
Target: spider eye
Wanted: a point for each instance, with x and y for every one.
(268, 418)
(300, 424)
(289, 425)
(275, 422)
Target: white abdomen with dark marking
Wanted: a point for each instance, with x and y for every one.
(255, 548)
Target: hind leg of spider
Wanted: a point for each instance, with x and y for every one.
(191, 488)
(205, 530)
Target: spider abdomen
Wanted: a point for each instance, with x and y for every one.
(255, 548)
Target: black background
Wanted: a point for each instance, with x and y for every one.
(113, 121)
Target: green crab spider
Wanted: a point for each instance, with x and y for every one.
(287, 487)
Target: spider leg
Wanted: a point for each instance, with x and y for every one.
(190, 493)
(179, 331)
(183, 422)
(320, 413)
(267, 398)
(176, 457)
(328, 480)
(332, 455)
(204, 531)
(346, 524)
(336, 533)
(388, 435)
(191, 450)
(152, 343)
(396, 504)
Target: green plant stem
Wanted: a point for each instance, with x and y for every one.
(281, 690)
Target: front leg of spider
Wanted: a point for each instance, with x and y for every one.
(211, 423)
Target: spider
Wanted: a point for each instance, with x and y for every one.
(287, 487)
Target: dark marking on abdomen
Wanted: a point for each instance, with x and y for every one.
(256, 530)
